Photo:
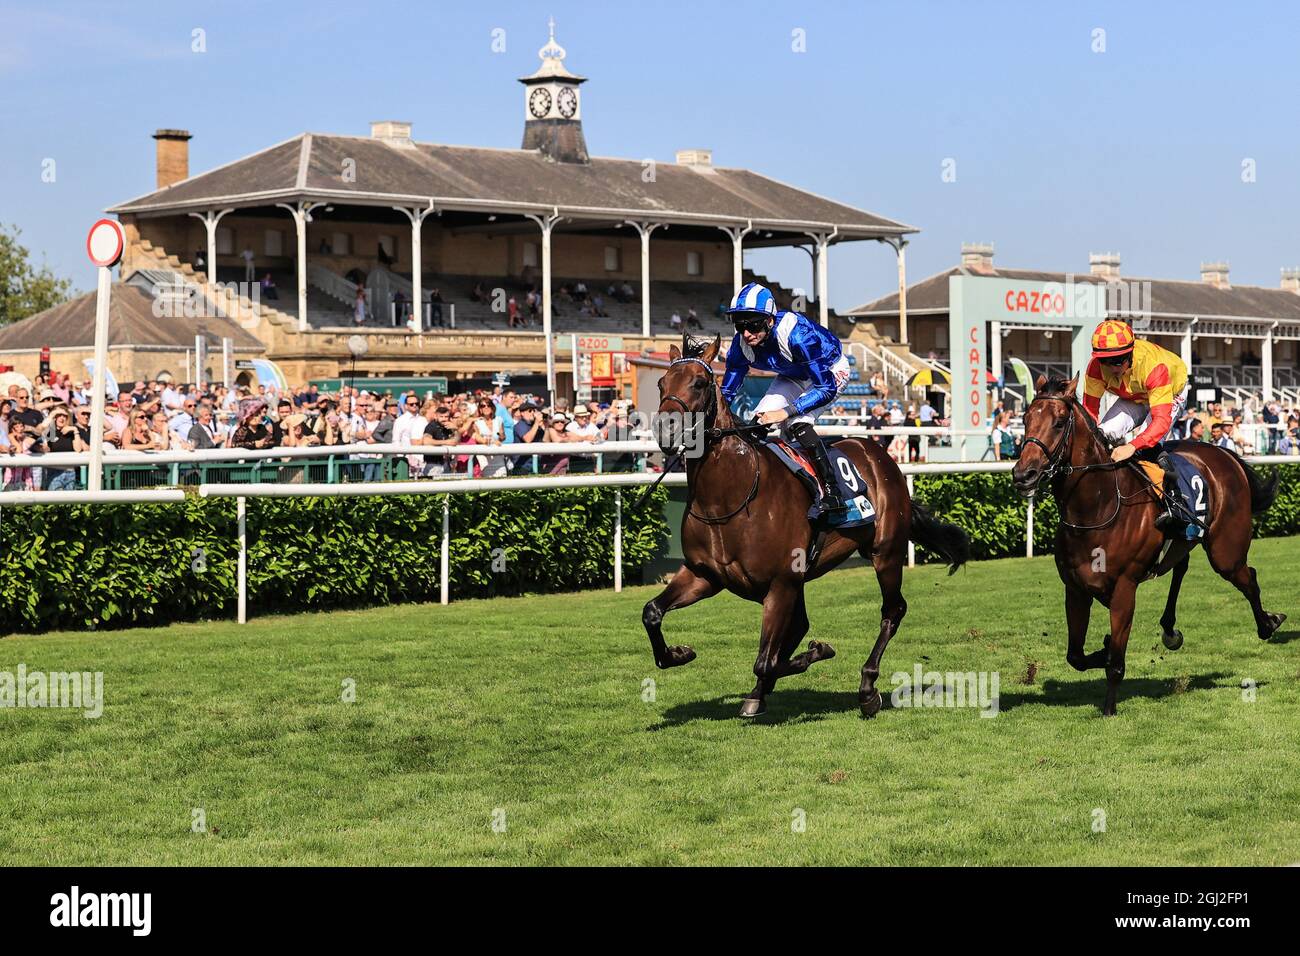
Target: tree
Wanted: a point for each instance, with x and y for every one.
(25, 290)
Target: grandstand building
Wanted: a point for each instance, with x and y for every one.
(1239, 341)
(324, 216)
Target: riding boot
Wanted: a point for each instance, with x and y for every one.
(811, 442)
(1170, 521)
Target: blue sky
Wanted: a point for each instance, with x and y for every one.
(1058, 150)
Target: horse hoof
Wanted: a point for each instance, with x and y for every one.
(1275, 621)
(752, 707)
(676, 656)
(870, 704)
(1172, 639)
(822, 650)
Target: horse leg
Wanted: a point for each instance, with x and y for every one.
(778, 608)
(889, 574)
(1078, 609)
(683, 590)
(1122, 600)
(1242, 576)
(817, 650)
(1172, 637)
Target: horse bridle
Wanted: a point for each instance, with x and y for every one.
(1056, 466)
(708, 415)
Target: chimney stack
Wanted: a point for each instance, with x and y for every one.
(173, 156)
(978, 257)
(1291, 280)
(1215, 274)
(695, 157)
(1104, 265)
(392, 132)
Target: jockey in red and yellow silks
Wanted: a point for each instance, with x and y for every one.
(1150, 385)
(1150, 388)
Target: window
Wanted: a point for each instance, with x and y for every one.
(1210, 348)
(613, 259)
(341, 244)
(274, 243)
(225, 241)
(530, 254)
(694, 267)
(940, 337)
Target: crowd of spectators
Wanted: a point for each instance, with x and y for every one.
(162, 416)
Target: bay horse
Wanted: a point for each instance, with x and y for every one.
(746, 530)
(1107, 542)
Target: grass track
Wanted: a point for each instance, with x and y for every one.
(534, 705)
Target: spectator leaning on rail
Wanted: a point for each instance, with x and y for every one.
(1150, 385)
(811, 370)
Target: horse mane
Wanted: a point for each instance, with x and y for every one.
(1056, 387)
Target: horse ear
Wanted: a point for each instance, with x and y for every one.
(1072, 386)
(674, 353)
(1038, 385)
(712, 351)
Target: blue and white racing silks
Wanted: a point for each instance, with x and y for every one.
(797, 348)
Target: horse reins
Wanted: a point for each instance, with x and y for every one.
(1056, 466)
(709, 413)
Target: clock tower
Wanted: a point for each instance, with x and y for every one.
(553, 107)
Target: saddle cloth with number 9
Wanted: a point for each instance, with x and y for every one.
(853, 489)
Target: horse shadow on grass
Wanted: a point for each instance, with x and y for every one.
(797, 705)
(1082, 693)
(803, 705)
(1284, 637)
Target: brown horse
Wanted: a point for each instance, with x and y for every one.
(746, 530)
(1107, 542)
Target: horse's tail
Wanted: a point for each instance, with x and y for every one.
(1262, 493)
(946, 540)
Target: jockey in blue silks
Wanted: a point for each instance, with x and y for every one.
(810, 368)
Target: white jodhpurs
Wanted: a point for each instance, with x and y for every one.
(1124, 416)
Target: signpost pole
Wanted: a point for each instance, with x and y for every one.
(104, 245)
(102, 298)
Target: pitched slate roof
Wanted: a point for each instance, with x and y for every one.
(1169, 297)
(130, 322)
(312, 166)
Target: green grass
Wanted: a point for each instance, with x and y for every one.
(534, 705)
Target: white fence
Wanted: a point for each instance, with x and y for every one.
(453, 486)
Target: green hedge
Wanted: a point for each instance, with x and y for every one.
(987, 506)
(121, 565)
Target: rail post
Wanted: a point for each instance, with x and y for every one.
(241, 510)
(911, 548)
(1029, 531)
(444, 561)
(618, 540)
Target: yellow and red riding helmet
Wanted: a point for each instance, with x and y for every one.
(1112, 338)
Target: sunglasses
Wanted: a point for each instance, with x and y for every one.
(755, 324)
(1115, 361)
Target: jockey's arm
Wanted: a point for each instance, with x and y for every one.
(737, 369)
(1160, 398)
(1093, 389)
(823, 387)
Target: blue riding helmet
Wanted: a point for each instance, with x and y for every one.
(752, 299)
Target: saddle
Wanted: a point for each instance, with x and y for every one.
(852, 487)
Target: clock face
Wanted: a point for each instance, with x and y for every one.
(567, 101)
(539, 102)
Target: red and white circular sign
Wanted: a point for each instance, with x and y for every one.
(105, 243)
